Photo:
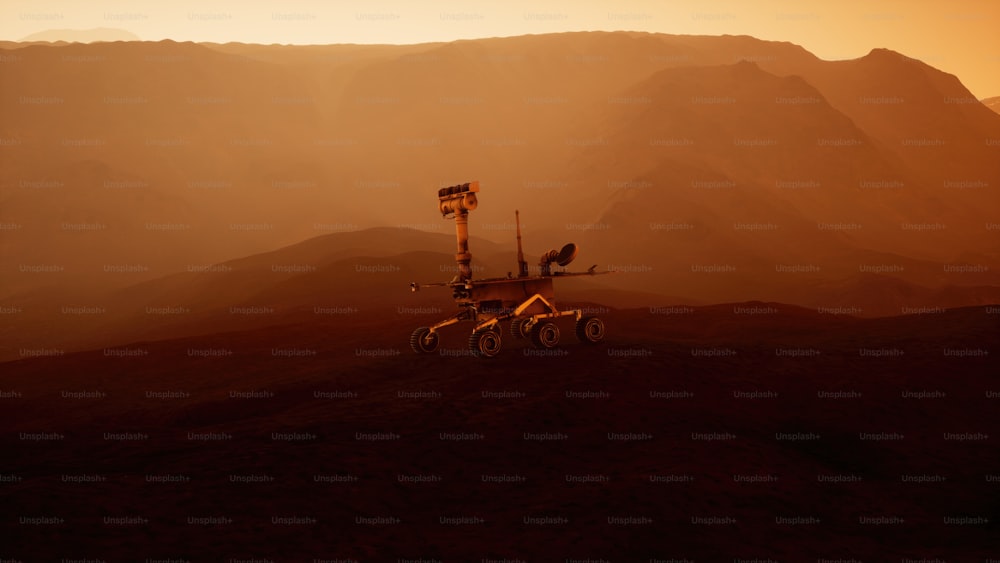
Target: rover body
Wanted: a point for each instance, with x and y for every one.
(526, 301)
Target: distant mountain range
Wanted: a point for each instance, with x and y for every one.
(80, 35)
(706, 169)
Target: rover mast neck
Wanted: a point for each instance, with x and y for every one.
(459, 201)
(522, 266)
(463, 257)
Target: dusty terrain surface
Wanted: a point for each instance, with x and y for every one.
(749, 430)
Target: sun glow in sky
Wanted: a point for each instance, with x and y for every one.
(957, 36)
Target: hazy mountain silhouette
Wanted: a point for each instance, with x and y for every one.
(92, 35)
(866, 180)
(369, 269)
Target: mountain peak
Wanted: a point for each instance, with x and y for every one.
(885, 54)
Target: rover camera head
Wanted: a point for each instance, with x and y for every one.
(458, 199)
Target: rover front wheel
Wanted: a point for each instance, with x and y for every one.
(423, 341)
(517, 328)
(590, 330)
(485, 343)
(545, 335)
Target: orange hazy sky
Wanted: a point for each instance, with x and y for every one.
(958, 36)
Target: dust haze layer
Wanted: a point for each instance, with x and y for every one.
(706, 169)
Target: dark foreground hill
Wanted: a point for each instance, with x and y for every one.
(748, 430)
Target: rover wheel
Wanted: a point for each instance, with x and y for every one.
(517, 328)
(545, 335)
(423, 341)
(485, 343)
(590, 330)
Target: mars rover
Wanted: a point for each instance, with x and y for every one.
(527, 301)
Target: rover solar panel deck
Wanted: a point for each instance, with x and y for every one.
(526, 302)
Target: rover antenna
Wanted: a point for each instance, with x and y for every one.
(522, 266)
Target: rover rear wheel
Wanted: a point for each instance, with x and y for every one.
(485, 343)
(590, 330)
(423, 341)
(545, 335)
